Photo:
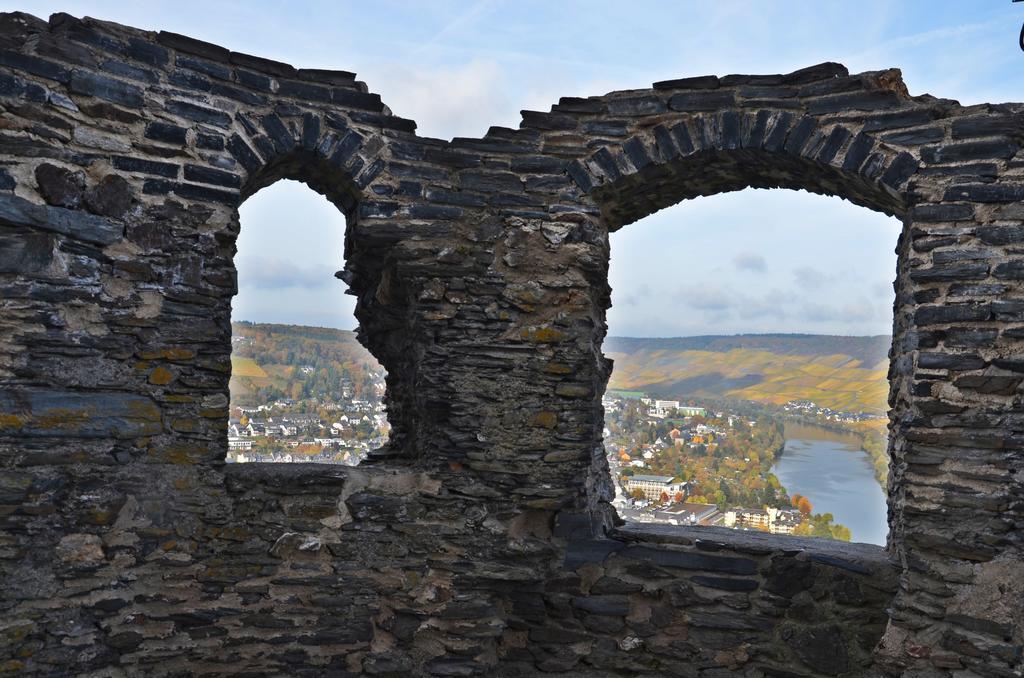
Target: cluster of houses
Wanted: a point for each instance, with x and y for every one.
(664, 503)
(691, 437)
(808, 408)
(277, 433)
(662, 499)
(768, 519)
(659, 409)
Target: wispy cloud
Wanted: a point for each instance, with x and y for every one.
(268, 273)
(810, 278)
(750, 262)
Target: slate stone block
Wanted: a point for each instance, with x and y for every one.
(950, 361)
(244, 154)
(75, 223)
(1010, 270)
(986, 193)
(915, 137)
(1001, 147)
(859, 101)
(34, 65)
(146, 52)
(702, 100)
(698, 82)
(77, 414)
(691, 561)
(951, 313)
(609, 605)
(798, 137)
(942, 212)
(255, 81)
(637, 153)
(124, 70)
(279, 134)
(837, 138)
(887, 121)
(442, 212)
(190, 111)
(779, 131)
(352, 99)
(726, 583)
(946, 273)
(304, 90)
(211, 68)
(213, 142)
(731, 130)
(108, 89)
(547, 121)
(346, 148)
(988, 125)
(110, 197)
(209, 175)
(310, 131)
(25, 253)
(262, 65)
(820, 71)
(606, 128)
(164, 131)
(60, 186)
(184, 43)
(821, 647)
(130, 163)
(636, 106)
(606, 163)
(580, 175)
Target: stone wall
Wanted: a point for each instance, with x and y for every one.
(480, 541)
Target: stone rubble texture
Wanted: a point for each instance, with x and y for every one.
(480, 541)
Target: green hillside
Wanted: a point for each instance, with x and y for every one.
(844, 373)
(270, 361)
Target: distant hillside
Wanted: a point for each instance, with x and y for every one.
(844, 373)
(270, 361)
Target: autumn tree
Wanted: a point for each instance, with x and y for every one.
(805, 506)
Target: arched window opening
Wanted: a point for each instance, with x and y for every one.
(303, 389)
(750, 335)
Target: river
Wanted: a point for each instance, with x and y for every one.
(831, 470)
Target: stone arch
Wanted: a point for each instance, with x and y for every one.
(324, 152)
(717, 152)
(703, 153)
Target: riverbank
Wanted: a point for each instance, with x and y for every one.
(871, 436)
(831, 467)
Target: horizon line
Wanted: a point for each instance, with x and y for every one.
(623, 336)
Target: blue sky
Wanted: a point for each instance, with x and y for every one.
(752, 261)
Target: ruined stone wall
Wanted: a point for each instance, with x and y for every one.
(480, 540)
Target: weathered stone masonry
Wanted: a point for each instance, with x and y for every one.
(480, 541)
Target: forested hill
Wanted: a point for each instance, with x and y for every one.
(868, 350)
(844, 373)
(270, 361)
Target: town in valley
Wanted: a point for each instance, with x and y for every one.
(303, 394)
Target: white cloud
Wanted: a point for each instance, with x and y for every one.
(273, 273)
(750, 262)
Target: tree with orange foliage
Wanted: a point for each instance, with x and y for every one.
(679, 497)
(663, 497)
(795, 500)
(805, 506)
